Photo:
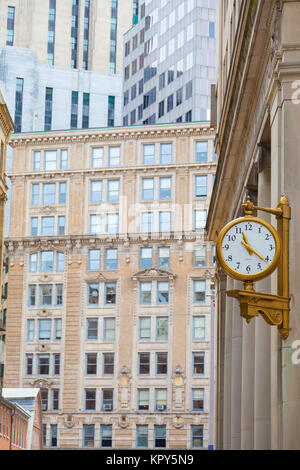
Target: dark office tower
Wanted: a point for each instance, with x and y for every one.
(10, 26)
(19, 104)
(74, 33)
(51, 32)
(86, 35)
(113, 36)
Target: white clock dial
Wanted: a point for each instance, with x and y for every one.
(248, 248)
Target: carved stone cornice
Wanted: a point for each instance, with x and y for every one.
(111, 135)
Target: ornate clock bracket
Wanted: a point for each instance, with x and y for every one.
(273, 308)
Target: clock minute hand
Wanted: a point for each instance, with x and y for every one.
(252, 251)
(246, 244)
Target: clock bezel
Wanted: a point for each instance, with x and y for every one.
(248, 277)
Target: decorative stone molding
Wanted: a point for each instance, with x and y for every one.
(178, 422)
(178, 384)
(123, 421)
(98, 278)
(69, 421)
(153, 274)
(124, 386)
(44, 313)
(41, 383)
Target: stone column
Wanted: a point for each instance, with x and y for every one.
(227, 369)
(262, 329)
(236, 372)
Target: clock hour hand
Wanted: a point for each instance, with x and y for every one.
(250, 250)
(246, 244)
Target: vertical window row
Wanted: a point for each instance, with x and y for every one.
(86, 35)
(19, 104)
(48, 109)
(85, 110)
(10, 26)
(113, 36)
(51, 32)
(74, 33)
(111, 111)
(74, 110)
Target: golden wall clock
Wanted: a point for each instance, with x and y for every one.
(248, 248)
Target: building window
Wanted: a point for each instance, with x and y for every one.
(36, 161)
(96, 191)
(30, 330)
(198, 363)
(55, 399)
(107, 399)
(62, 193)
(57, 329)
(162, 328)
(161, 399)
(43, 364)
(188, 90)
(160, 433)
(179, 96)
(48, 226)
(146, 258)
(165, 188)
(170, 103)
(93, 294)
(113, 36)
(197, 437)
(109, 329)
(35, 195)
(108, 363)
(146, 221)
(74, 109)
(94, 260)
(91, 364)
(200, 257)
(10, 26)
(199, 219)
(145, 293)
(199, 292)
(46, 261)
(163, 257)
(74, 33)
(148, 155)
(44, 399)
(144, 328)
(61, 221)
(111, 259)
(188, 116)
(45, 295)
(31, 296)
(19, 104)
(199, 328)
(113, 190)
(85, 110)
(44, 330)
(92, 329)
(143, 399)
(163, 292)
(86, 35)
(88, 435)
(48, 109)
(165, 153)
(51, 32)
(29, 364)
(58, 295)
(95, 224)
(198, 399)
(201, 151)
(111, 111)
(144, 363)
(142, 436)
(147, 189)
(33, 263)
(97, 157)
(110, 293)
(200, 186)
(53, 435)
(165, 221)
(90, 399)
(56, 364)
(114, 156)
(49, 194)
(105, 435)
(161, 364)
(161, 109)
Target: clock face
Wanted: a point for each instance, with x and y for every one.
(248, 248)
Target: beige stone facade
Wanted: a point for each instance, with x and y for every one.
(6, 127)
(31, 30)
(119, 346)
(258, 147)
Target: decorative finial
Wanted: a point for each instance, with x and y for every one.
(248, 206)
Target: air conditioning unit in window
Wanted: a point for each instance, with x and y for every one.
(161, 407)
(107, 407)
